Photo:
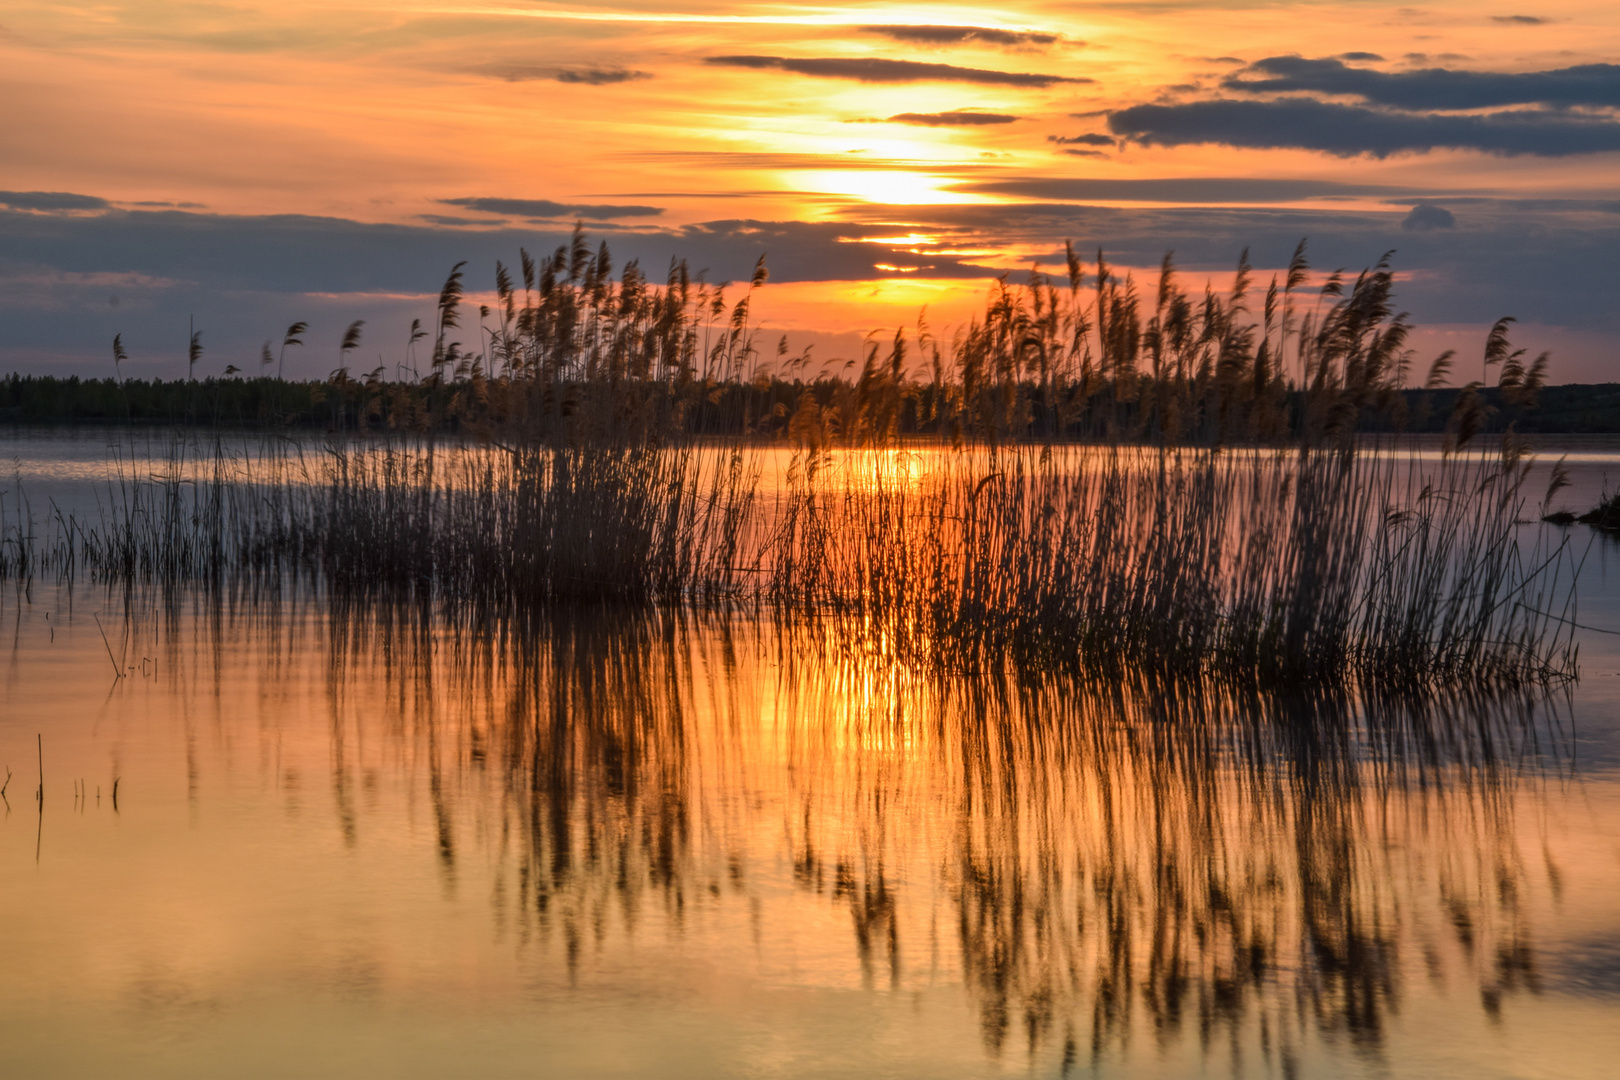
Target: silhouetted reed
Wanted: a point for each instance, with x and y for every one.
(1091, 353)
(1299, 555)
(1254, 564)
(1287, 565)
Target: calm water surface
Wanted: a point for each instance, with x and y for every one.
(354, 841)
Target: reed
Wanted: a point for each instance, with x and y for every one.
(1090, 354)
(1224, 519)
(1286, 565)
(1270, 565)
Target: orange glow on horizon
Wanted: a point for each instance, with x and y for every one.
(691, 115)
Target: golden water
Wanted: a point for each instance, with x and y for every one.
(353, 840)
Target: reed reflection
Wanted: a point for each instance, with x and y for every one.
(1213, 859)
(1100, 864)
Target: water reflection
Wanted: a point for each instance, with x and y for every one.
(1108, 862)
(597, 804)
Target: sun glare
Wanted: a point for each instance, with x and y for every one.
(897, 188)
(911, 240)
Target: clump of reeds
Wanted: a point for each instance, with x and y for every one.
(494, 526)
(1287, 565)
(1276, 565)
(31, 543)
(584, 481)
(574, 341)
(1605, 516)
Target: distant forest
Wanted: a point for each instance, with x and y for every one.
(763, 407)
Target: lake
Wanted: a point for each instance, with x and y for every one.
(281, 835)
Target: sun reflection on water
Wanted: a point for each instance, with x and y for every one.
(609, 805)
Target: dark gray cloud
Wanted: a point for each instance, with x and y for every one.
(545, 208)
(1432, 88)
(591, 76)
(958, 118)
(878, 70)
(813, 251)
(1080, 140)
(50, 201)
(1545, 267)
(1531, 205)
(579, 76)
(958, 35)
(1216, 189)
(277, 252)
(246, 278)
(447, 219)
(303, 254)
(1521, 20)
(1363, 57)
(1426, 216)
(1347, 130)
(1085, 153)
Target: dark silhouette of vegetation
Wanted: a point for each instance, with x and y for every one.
(593, 476)
(265, 403)
(1089, 355)
(1254, 565)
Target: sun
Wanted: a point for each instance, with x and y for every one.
(895, 187)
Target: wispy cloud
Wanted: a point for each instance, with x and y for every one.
(955, 118)
(50, 201)
(583, 76)
(1080, 140)
(1521, 20)
(1432, 88)
(878, 70)
(927, 34)
(545, 208)
(253, 275)
(1207, 189)
(591, 76)
(453, 222)
(1348, 130)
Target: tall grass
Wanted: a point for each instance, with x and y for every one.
(1093, 352)
(1258, 564)
(1300, 555)
(497, 526)
(1291, 565)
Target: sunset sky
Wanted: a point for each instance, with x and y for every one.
(254, 164)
